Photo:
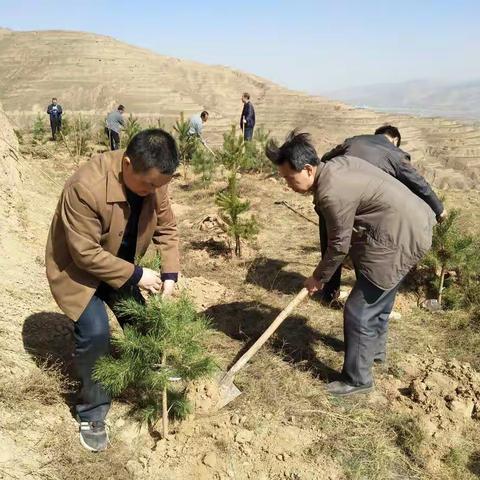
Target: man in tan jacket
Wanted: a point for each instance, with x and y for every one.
(384, 227)
(109, 212)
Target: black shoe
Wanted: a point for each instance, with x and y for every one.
(342, 389)
(379, 360)
(93, 436)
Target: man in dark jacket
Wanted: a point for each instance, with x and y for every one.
(381, 150)
(247, 120)
(384, 227)
(55, 111)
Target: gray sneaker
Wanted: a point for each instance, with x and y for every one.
(93, 436)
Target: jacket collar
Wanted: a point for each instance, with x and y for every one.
(316, 180)
(115, 186)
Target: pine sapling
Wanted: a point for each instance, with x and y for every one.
(203, 164)
(39, 130)
(232, 208)
(132, 127)
(233, 153)
(158, 353)
(187, 144)
(451, 250)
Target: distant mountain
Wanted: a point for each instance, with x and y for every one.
(419, 97)
(92, 73)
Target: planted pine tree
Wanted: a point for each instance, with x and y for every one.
(132, 127)
(39, 129)
(203, 164)
(187, 144)
(158, 354)
(232, 210)
(451, 250)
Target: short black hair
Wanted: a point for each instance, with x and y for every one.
(391, 131)
(204, 114)
(153, 148)
(120, 107)
(246, 95)
(298, 151)
(54, 98)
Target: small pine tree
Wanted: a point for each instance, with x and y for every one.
(79, 136)
(132, 127)
(451, 250)
(157, 354)
(187, 144)
(203, 164)
(233, 153)
(232, 207)
(39, 129)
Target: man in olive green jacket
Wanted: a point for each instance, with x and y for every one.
(384, 227)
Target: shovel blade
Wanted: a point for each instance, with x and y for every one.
(227, 393)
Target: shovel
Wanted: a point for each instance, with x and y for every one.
(227, 389)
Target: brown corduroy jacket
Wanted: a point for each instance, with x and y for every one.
(87, 231)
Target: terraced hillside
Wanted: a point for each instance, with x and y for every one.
(91, 73)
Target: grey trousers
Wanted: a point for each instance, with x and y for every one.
(365, 329)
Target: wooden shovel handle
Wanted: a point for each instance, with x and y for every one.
(240, 363)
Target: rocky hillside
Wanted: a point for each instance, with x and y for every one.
(92, 73)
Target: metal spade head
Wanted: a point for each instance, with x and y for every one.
(227, 391)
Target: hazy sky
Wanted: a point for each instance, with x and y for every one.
(309, 45)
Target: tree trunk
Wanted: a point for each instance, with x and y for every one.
(440, 288)
(164, 406)
(238, 247)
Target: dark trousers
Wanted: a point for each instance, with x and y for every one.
(113, 138)
(92, 341)
(365, 329)
(332, 287)
(55, 125)
(247, 133)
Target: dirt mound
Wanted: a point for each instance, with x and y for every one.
(203, 292)
(448, 393)
(9, 166)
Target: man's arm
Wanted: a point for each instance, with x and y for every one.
(409, 176)
(339, 217)
(83, 232)
(249, 115)
(60, 110)
(166, 236)
(49, 109)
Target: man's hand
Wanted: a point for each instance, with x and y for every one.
(168, 288)
(442, 216)
(312, 285)
(150, 281)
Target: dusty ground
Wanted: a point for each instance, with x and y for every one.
(422, 421)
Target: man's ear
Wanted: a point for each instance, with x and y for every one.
(309, 169)
(126, 161)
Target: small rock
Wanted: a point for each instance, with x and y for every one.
(210, 460)
(244, 436)
(134, 468)
(120, 423)
(235, 419)
(395, 315)
(281, 457)
(431, 305)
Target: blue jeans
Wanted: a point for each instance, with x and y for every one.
(92, 341)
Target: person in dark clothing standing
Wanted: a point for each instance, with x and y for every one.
(247, 120)
(109, 212)
(114, 125)
(381, 150)
(55, 111)
(380, 223)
